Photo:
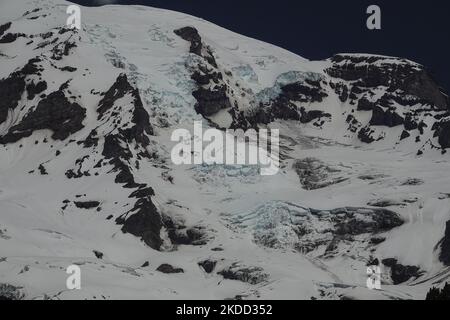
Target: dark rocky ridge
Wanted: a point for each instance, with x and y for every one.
(179, 234)
(54, 112)
(9, 292)
(375, 71)
(63, 48)
(251, 275)
(13, 87)
(4, 28)
(208, 265)
(191, 34)
(323, 233)
(442, 131)
(285, 105)
(11, 37)
(404, 82)
(86, 204)
(211, 100)
(439, 294)
(401, 273)
(211, 94)
(143, 220)
(365, 135)
(34, 89)
(167, 268)
(315, 174)
(389, 118)
(347, 222)
(141, 119)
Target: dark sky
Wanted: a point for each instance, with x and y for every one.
(316, 29)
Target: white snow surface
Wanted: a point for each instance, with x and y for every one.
(39, 240)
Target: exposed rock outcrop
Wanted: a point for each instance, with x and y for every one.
(387, 118)
(143, 220)
(442, 131)
(288, 104)
(86, 204)
(314, 174)
(191, 34)
(396, 74)
(4, 28)
(208, 265)
(439, 294)
(10, 292)
(280, 224)
(54, 112)
(211, 100)
(13, 87)
(400, 273)
(179, 234)
(211, 94)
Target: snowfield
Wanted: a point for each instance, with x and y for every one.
(86, 176)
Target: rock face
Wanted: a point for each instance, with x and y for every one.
(291, 102)
(143, 220)
(387, 118)
(141, 121)
(12, 87)
(395, 74)
(307, 91)
(444, 255)
(208, 265)
(86, 204)
(314, 174)
(405, 84)
(167, 268)
(251, 275)
(191, 34)
(4, 28)
(210, 101)
(11, 37)
(439, 294)
(179, 234)
(409, 95)
(9, 292)
(365, 135)
(98, 254)
(54, 112)
(34, 89)
(211, 94)
(350, 224)
(356, 79)
(400, 273)
(442, 130)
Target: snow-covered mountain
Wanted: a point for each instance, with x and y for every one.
(86, 176)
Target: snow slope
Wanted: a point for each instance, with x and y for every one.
(86, 176)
